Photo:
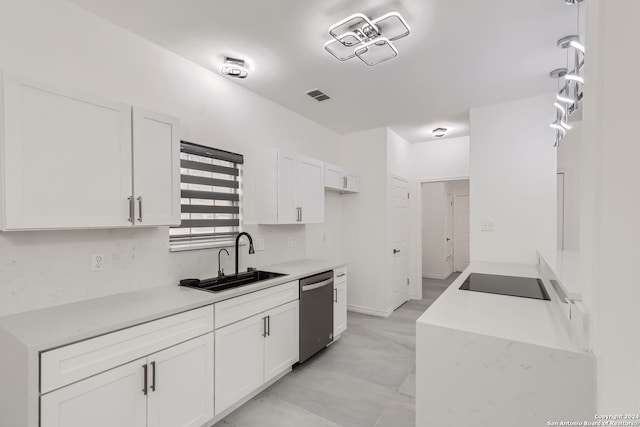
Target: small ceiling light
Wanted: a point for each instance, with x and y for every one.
(234, 67)
(368, 39)
(439, 132)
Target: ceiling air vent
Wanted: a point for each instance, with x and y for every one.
(318, 95)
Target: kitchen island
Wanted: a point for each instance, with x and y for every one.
(496, 360)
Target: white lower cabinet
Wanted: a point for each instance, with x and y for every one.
(339, 301)
(112, 398)
(170, 388)
(253, 351)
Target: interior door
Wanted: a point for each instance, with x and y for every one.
(112, 398)
(156, 168)
(448, 237)
(400, 237)
(461, 231)
(181, 384)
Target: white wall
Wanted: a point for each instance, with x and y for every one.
(440, 160)
(434, 213)
(569, 164)
(513, 169)
(54, 40)
(610, 229)
(365, 220)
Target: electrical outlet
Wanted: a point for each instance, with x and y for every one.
(259, 246)
(289, 242)
(97, 262)
(486, 225)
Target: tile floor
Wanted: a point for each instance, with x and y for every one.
(366, 378)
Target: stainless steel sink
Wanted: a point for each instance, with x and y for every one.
(218, 284)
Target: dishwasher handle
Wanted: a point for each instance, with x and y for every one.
(317, 285)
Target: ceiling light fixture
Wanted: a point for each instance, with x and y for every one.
(439, 132)
(570, 92)
(234, 67)
(368, 39)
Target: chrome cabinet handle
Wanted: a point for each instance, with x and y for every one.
(344, 182)
(268, 325)
(299, 211)
(300, 214)
(144, 388)
(130, 199)
(139, 208)
(264, 326)
(341, 275)
(153, 376)
(335, 295)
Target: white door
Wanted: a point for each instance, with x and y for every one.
(156, 168)
(400, 237)
(239, 361)
(287, 188)
(560, 211)
(311, 190)
(461, 231)
(281, 348)
(112, 398)
(66, 158)
(448, 236)
(339, 309)
(181, 384)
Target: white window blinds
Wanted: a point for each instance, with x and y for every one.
(210, 197)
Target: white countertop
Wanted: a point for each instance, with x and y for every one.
(566, 267)
(518, 319)
(64, 324)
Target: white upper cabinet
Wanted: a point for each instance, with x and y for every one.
(289, 188)
(69, 161)
(156, 168)
(66, 158)
(336, 178)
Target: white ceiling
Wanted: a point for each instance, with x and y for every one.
(460, 54)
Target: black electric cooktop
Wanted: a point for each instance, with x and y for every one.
(525, 287)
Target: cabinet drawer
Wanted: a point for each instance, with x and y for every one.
(244, 306)
(340, 275)
(74, 362)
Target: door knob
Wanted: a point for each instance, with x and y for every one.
(395, 251)
(448, 239)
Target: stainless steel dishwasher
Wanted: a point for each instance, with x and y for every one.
(316, 313)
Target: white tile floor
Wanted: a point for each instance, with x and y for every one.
(366, 378)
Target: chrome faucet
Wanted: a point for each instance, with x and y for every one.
(220, 269)
(251, 250)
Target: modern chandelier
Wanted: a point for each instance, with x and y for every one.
(570, 80)
(368, 39)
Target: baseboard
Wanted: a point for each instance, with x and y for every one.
(435, 276)
(369, 311)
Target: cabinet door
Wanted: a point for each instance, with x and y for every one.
(156, 168)
(333, 177)
(311, 190)
(281, 343)
(339, 309)
(287, 188)
(66, 158)
(239, 361)
(112, 398)
(353, 182)
(181, 384)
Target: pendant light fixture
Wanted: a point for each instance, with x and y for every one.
(570, 79)
(368, 39)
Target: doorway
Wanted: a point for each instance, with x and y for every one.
(445, 228)
(400, 241)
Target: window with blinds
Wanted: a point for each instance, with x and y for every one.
(210, 197)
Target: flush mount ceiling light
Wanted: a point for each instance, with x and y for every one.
(439, 132)
(368, 39)
(234, 67)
